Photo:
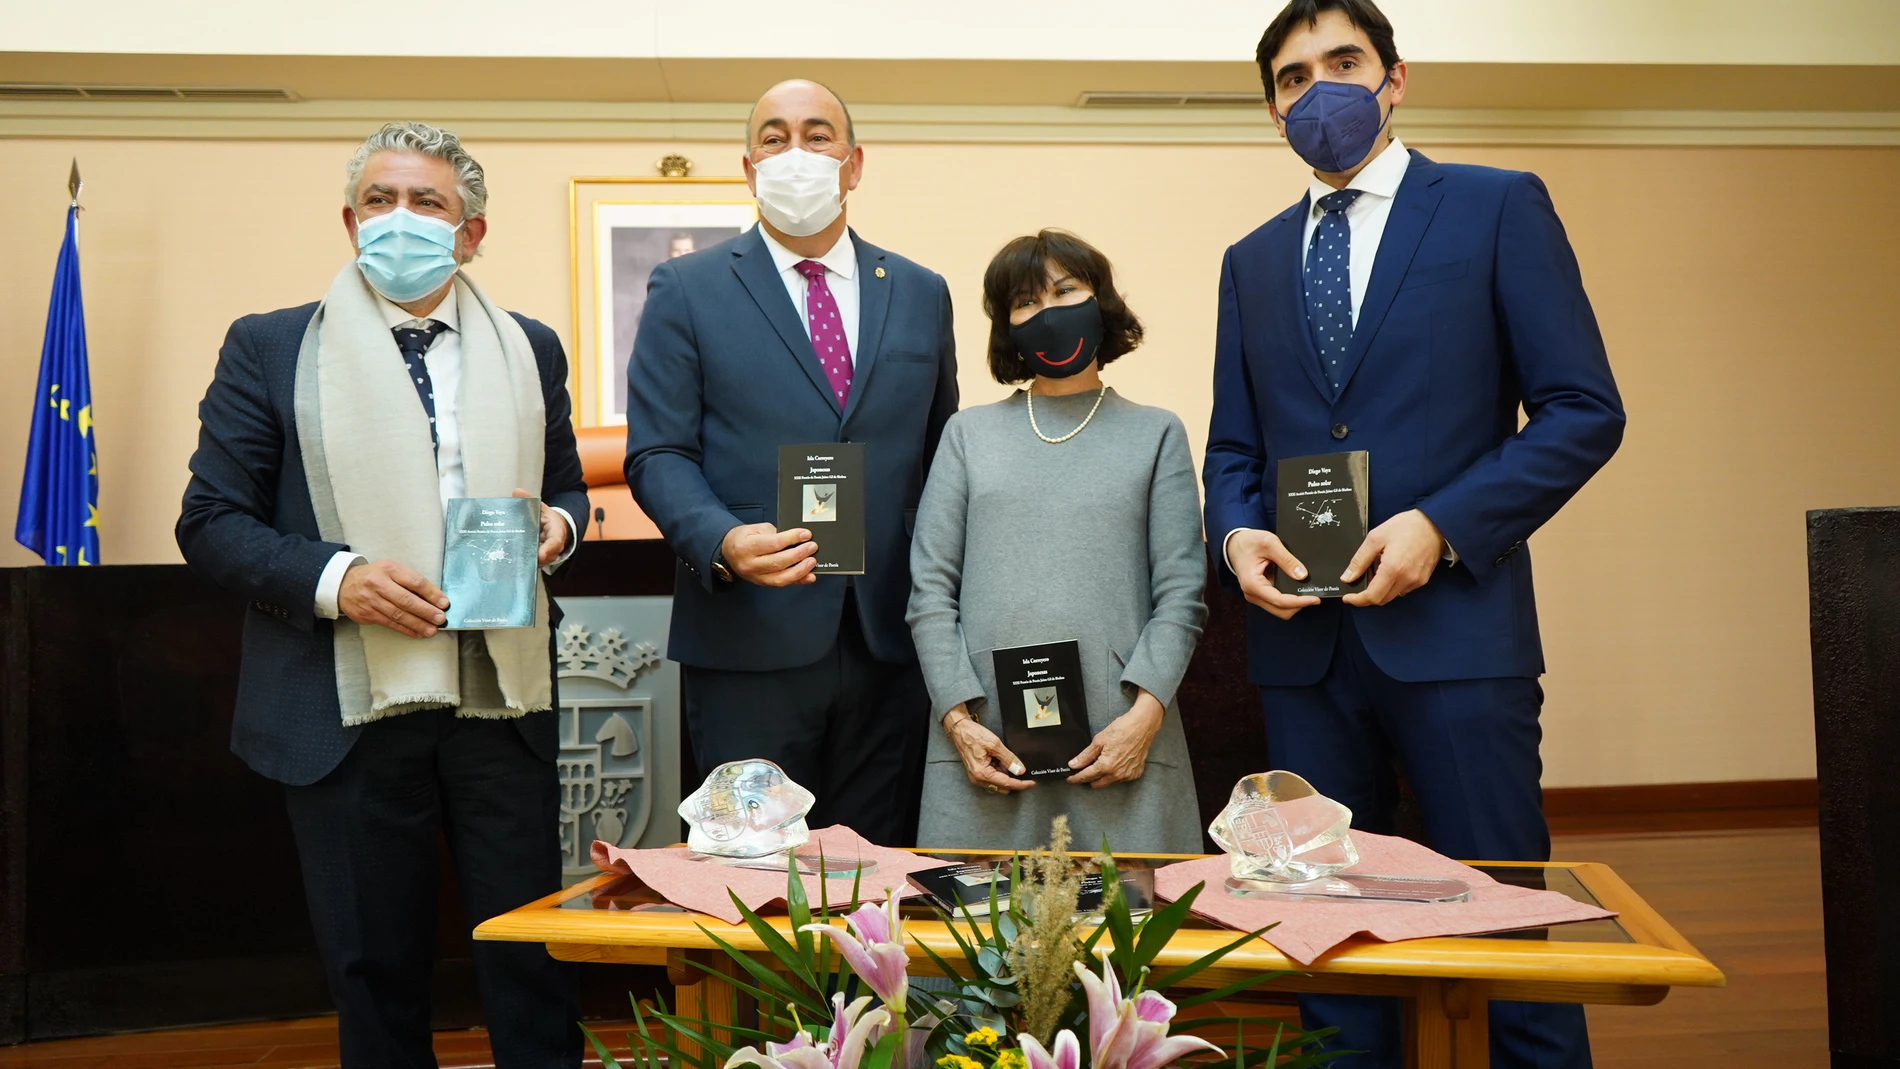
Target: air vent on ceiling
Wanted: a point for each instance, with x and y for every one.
(200, 93)
(1100, 98)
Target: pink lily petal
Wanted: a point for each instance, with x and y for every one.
(799, 1041)
(1153, 1007)
(1068, 1050)
(1035, 1055)
(871, 923)
(882, 966)
(1103, 995)
(863, 1033)
(1163, 1050)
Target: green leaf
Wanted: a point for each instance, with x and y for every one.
(770, 981)
(886, 1049)
(937, 960)
(798, 909)
(606, 1057)
(1159, 927)
(1229, 991)
(1115, 915)
(775, 943)
(1192, 968)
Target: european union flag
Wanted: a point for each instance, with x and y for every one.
(59, 496)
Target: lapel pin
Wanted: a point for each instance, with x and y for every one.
(880, 272)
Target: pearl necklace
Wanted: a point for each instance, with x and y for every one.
(1071, 434)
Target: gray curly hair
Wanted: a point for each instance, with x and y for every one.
(426, 140)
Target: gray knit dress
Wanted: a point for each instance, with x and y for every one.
(1097, 539)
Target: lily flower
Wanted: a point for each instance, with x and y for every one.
(1131, 1033)
(876, 952)
(852, 1031)
(1067, 1055)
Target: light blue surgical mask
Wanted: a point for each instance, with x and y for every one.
(405, 256)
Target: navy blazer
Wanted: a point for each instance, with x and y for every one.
(722, 374)
(1475, 307)
(247, 524)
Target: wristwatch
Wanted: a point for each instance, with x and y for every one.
(719, 569)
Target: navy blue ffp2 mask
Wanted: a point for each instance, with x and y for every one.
(1334, 124)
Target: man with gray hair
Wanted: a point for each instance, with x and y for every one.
(332, 437)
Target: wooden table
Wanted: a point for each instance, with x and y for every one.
(1446, 983)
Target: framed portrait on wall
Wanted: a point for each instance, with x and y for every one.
(621, 229)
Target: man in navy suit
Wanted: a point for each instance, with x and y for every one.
(1409, 309)
(797, 331)
(369, 800)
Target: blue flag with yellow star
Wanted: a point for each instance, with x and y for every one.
(59, 496)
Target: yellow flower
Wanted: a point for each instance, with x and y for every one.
(1011, 1059)
(982, 1037)
(958, 1061)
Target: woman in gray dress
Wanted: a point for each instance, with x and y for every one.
(1064, 512)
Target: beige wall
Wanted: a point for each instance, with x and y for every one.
(1738, 290)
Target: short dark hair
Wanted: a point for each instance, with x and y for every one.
(1021, 268)
(1363, 14)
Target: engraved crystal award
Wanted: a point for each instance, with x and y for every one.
(752, 815)
(1285, 838)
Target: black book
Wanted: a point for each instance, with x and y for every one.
(955, 887)
(821, 488)
(1045, 712)
(1323, 509)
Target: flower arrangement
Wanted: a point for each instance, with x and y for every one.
(1033, 984)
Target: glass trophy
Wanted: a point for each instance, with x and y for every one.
(750, 814)
(1283, 838)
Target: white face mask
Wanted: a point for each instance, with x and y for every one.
(798, 191)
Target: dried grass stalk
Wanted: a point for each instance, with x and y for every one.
(1043, 955)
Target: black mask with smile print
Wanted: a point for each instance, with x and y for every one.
(1060, 340)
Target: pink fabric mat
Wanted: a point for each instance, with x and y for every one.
(702, 886)
(1307, 929)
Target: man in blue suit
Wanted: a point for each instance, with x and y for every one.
(1409, 309)
(332, 436)
(798, 331)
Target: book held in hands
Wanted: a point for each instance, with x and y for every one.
(1322, 518)
(821, 488)
(1045, 712)
(490, 560)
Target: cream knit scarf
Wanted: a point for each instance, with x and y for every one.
(372, 475)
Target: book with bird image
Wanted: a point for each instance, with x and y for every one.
(821, 488)
(1045, 712)
(1322, 518)
(490, 557)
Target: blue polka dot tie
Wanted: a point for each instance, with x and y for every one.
(1329, 283)
(414, 343)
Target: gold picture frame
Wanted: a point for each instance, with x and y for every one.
(617, 229)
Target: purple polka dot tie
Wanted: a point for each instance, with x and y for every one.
(826, 329)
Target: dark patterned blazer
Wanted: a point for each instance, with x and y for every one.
(248, 525)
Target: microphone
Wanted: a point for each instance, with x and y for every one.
(600, 522)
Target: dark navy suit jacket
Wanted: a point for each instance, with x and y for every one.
(248, 525)
(722, 374)
(1475, 308)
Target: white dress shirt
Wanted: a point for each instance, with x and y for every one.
(444, 361)
(1366, 217)
(841, 275)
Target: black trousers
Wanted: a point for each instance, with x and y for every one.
(849, 728)
(366, 835)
